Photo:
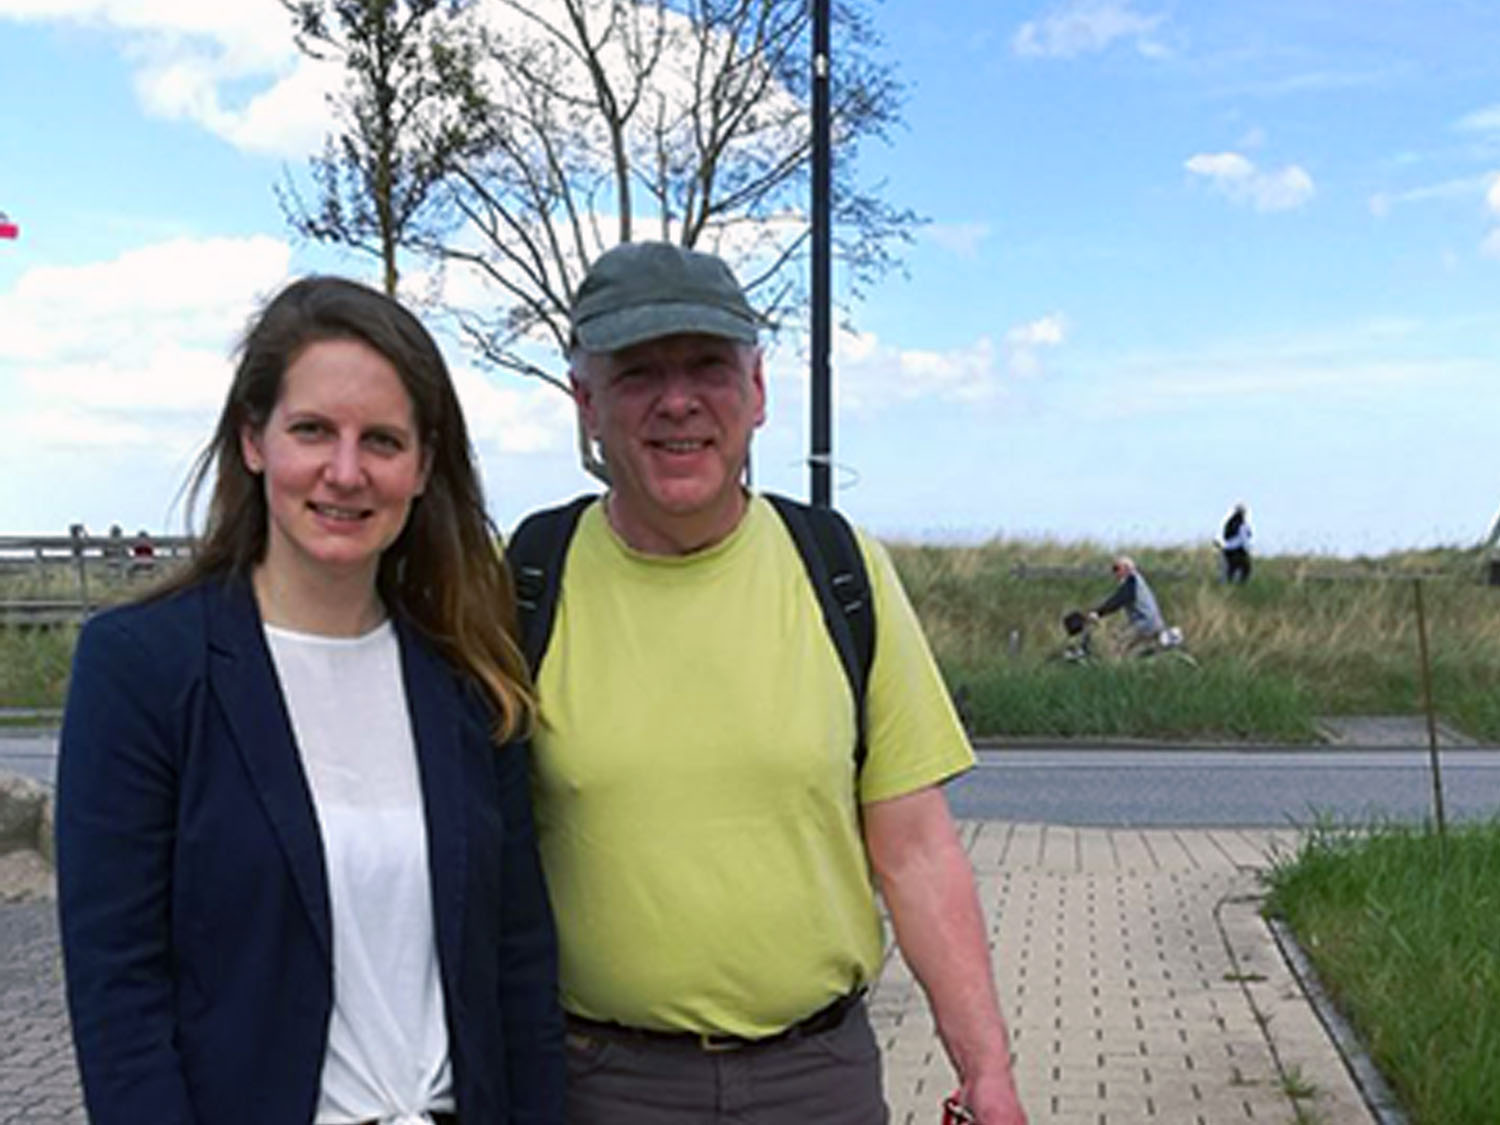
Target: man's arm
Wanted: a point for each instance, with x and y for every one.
(1119, 598)
(928, 887)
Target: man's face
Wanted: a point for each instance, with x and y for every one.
(674, 416)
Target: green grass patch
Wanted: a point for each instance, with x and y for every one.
(1400, 925)
(1155, 698)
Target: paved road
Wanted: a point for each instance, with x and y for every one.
(1238, 788)
(1141, 787)
(31, 754)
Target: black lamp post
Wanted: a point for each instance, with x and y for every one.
(820, 457)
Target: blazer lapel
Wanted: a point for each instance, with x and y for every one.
(243, 679)
(437, 713)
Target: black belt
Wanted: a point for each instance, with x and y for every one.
(824, 1019)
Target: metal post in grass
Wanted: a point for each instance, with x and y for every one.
(76, 533)
(1432, 740)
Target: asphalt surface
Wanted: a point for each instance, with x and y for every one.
(1241, 787)
(30, 753)
(1163, 787)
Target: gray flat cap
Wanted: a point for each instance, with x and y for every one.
(641, 291)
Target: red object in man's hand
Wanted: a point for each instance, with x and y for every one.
(8, 229)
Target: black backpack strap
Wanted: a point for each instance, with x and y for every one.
(836, 566)
(536, 552)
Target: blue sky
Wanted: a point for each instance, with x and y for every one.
(1180, 254)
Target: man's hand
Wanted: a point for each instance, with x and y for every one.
(992, 1099)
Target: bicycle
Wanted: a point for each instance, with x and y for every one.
(1169, 644)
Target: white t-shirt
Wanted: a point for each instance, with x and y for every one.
(387, 1056)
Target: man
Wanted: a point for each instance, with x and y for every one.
(708, 839)
(1134, 596)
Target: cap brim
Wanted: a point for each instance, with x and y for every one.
(613, 331)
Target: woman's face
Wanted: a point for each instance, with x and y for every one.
(341, 458)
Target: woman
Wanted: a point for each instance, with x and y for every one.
(297, 873)
(1234, 543)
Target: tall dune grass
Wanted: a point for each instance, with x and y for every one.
(34, 662)
(1306, 637)
(34, 666)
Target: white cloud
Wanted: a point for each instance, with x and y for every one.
(131, 358)
(1241, 181)
(1485, 120)
(130, 353)
(169, 378)
(1466, 187)
(1080, 27)
(1316, 82)
(288, 118)
(1224, 166)
(963, 239)
(1046, 332)
(531, 419)
(248, 29)
(189, 55)
(1025, 343)
(183, 293)
(1339, 362)
(1313, 377)
(1284, 190)
(873, 374)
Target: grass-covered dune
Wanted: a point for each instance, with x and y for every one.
(1308, 636)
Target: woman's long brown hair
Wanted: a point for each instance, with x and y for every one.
(445, 573)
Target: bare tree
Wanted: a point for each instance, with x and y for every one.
(612, 120)
(566, 126)
(403, 116)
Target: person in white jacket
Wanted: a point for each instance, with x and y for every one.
(1234, 543)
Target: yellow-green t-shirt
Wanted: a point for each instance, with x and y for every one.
(695, 782)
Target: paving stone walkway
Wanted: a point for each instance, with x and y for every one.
(1140, 983)
(38, 1079)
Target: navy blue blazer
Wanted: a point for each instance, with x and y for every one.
(192, 889)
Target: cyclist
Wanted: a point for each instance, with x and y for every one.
(1132, 594)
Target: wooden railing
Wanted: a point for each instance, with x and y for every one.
(52, 580)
